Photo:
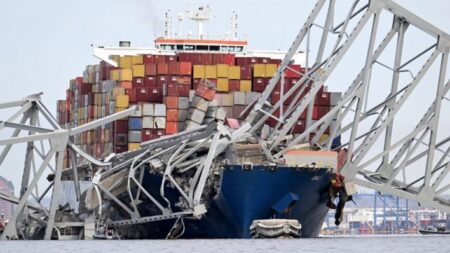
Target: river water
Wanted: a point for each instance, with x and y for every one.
(362, 244)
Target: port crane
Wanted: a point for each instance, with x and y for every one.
(378, 157)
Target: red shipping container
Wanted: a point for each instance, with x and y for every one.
(172, 115)
(174, 68)
(132, 96)
(120, 149)
(259, 84)
(150, 69)
(275, 61)
(299, 127)
(78, 81)
(229, 59)
(319, 112)
(172, 89)
(147, 135)
(185, 68)
(184, 80)
(148, 58)
(158, 133)
(196, 59)
(171, 58)
(184, 57)
(246, 72)
(323, 98)
(150, 82)
(142, 94)
(171, 102)
(271, 121)
(162, 81)
(162, 68)
(155, 95)
(237, 110)
(195, 83)
(293, 71)
(233, 85)
(84, 88)
(264, 60)
(207, 59)
(121, 126)
(183, 90)
(274, 97)
(138, 82)
(159, 58)
(205, 92)
(171, 127)
(217, 58)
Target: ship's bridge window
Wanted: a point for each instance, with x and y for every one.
(231, 49)
(202, 48)
(214, 48)
(179, 47)
(239, 49)
(189, 47)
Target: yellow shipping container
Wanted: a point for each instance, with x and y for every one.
(115, 58)
(210, 71)
(115, 75)
(139, 70)
(222, 70)
(133, 146)
(259, 70)
(245, 85)
(222, 85)
(118, 109)
(122, 101)
(199, 71)
(118, 91)
(324, 137)
(125, 62)
(126, 75)
(234, 72)
(271, 69)
(137, 59)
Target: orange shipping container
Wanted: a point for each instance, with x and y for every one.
(126, 84)
(172, 115)
(171, 102)
(171, 127)
(185, 68)
(163, 68)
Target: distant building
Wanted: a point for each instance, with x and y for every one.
(6, 208)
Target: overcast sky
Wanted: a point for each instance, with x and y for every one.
(45, 43)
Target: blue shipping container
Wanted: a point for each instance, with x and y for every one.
(135, 123)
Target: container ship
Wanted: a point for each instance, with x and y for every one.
(178, 87)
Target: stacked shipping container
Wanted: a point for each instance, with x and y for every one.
(172, 95)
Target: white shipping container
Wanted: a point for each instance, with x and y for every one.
(160, 122)
(200, 104)
(148, 122)
(148, 109)
(160, 110)
(191, 124)
(138, 112)
(197, 116)
(183, 103)
(226, 100)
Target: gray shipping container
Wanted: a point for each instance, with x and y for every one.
(239, 98)
(335, 98)
(134, 136)
(183, 103)
(183, 115)
(191, 124)
(200, 104)
(251, 96)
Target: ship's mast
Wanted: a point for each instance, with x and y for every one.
(202, 14)
(234, 26)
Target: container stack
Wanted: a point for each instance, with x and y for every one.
(173, 93)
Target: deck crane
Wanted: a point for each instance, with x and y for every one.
(412, 164)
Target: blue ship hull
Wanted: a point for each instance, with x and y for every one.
(247, 195)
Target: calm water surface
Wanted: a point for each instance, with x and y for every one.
(387, 244)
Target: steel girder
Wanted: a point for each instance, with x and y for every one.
(32, 111)
(382, 170)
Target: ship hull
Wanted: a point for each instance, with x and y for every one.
(247, 195)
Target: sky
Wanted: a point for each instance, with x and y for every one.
(43, 44)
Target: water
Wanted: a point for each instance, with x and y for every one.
(365, 244)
